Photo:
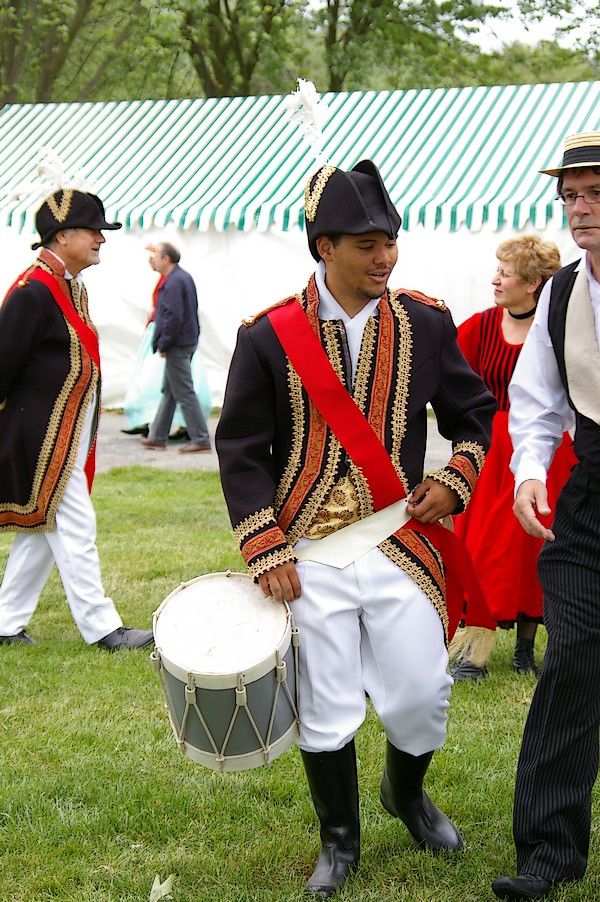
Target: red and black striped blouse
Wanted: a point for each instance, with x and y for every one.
(483, 344)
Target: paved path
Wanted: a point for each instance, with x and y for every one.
(118, 450)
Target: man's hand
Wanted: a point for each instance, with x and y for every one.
(430, 501)
(532, 499)
(281, 583)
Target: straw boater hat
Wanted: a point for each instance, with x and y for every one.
(580, 151)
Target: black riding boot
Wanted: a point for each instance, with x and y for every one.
(334, 789)
(402, 795)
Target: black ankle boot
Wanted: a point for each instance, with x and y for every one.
(402, 795)
(524, 661)
(334, 789)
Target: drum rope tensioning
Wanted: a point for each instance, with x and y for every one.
(227, 659)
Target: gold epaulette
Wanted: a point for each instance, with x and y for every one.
(250, 320)
(423, 299)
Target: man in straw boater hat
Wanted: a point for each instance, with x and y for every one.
(555, 386)
(49, 400)
(323, 424)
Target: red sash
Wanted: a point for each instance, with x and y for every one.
(357, 436)
(87, 337)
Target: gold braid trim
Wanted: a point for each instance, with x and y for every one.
(312, 198)
(60, 212)
(263, 517)
(452, 481)
(293, 464)
(298, 528)
(260, 565)
(297, 410)
(262, 543)
(331, 340)
(461, 472)
(474, 449)
(400, 404)
(419, 575)
(364, 369)
(363, 492)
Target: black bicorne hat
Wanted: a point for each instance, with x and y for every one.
(348, 203)
(68, 208)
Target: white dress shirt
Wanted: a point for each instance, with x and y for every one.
(354, 325)
(539, 408)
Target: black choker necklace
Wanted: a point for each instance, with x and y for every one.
(522, 315)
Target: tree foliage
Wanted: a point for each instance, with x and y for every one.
(356, 30)
(229, 39)
(89, 50)
(124, 49)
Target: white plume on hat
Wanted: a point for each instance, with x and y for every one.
(50, 175)
(309, 112)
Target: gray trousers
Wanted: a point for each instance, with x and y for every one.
(178, 388)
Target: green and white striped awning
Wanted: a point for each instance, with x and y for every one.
(450, 158)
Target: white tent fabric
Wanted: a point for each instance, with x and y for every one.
(223, 180)
(238, 274)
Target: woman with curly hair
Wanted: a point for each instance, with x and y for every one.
(505, 557)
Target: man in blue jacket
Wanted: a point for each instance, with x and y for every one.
(176, 338)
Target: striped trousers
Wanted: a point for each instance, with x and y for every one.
(558, 762)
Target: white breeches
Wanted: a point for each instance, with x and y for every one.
(368, 628)
(72, 546)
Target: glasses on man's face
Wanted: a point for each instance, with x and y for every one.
(569, 198)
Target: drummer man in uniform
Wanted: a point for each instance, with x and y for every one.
(379, 624)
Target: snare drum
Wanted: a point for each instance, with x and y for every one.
(227, 658)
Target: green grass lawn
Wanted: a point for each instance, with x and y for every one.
(95, 798)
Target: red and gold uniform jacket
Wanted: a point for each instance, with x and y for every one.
(47, 381)
(285, 475)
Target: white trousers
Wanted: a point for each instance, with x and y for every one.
(72, 546)
(368, 628)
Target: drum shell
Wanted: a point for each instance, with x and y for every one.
(243, 750)
(201, 705)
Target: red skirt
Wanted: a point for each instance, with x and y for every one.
(504, 555)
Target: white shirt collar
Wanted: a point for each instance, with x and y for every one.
(329, 308)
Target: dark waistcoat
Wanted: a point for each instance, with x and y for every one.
(587, 433)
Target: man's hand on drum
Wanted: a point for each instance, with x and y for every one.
(282, 582)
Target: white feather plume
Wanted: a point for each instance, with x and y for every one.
(50, 175)
(309, 112)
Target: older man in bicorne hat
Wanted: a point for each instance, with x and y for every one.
(556, 386)
(49, 396)
(323, 424)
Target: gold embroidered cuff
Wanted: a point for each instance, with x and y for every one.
(251, 524)
(263, 543)
(260, 565)
(453, 481)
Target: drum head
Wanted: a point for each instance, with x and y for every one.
(220, 623)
